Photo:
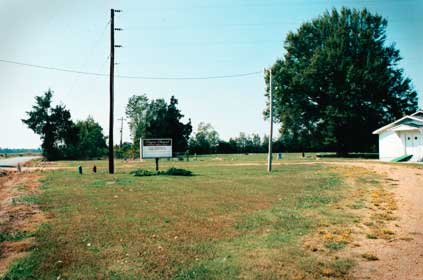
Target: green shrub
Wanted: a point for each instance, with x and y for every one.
(177, 172)
(170, 172)
(142, 172)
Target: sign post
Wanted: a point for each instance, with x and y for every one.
(157, 164)
(156, 148)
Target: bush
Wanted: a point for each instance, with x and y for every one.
(177, 172)
(142, 172)
(170, 172)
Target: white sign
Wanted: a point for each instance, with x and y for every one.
(156, 148)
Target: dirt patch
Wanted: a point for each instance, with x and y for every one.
(19, 216)
(398, 253)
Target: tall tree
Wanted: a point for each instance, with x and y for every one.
(339, 81)
(243, 142)
(156, 125)
(205, 141)
(136, 112)
(91, 140)
(179, 131)
(157, 119)
(54, 125)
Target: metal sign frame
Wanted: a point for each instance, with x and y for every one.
(156, 142)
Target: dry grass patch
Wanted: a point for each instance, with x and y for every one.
(19, 218)
(382, 214)
(370, 206)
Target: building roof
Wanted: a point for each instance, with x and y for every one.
(411, 122)
(405, 127)
(418, 114)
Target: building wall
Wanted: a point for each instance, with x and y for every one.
(391, 145)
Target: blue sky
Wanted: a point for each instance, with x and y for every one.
(166, 39)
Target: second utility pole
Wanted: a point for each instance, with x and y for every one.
(121, 130)
(269, 160)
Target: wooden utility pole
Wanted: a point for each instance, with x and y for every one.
(121, 130)
(112, 74)
(112, 78)
(269, 159)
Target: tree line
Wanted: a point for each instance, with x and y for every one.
(158, 119)
(207, 141)
(64, 139)
(61, 137)
(18, 151)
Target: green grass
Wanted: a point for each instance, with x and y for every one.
(232, 220)
(335, 245)
(14, 236)
(28, 199)
(371, 236)
(358, 204)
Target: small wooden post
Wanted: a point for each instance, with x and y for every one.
(157, 164)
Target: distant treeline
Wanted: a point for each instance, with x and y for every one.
(206, 140)
(19, 151)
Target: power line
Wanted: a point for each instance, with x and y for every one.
(89, 55)
(210, 77)
(217, 25)
(192, 78)
(213, 43)
(51, 68)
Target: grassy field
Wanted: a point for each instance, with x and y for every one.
(231, 220)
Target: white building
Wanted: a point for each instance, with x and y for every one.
(402, 137)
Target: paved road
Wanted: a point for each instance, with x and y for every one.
(13, 162)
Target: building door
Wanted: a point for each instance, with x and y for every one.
(410, 143)
(414, 144)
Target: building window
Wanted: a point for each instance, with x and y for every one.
(415, 138)
(408, 138)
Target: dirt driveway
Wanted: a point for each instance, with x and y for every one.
(402, 257)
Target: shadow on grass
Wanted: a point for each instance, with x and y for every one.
(350, 155)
